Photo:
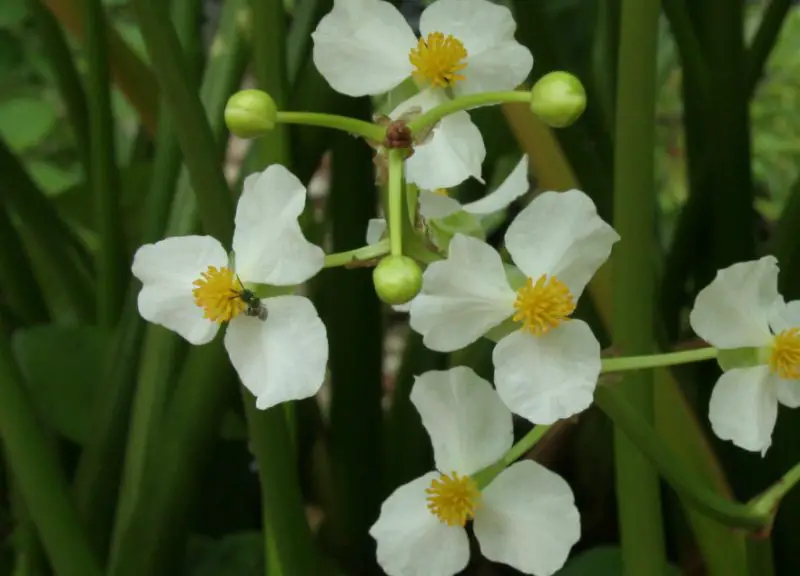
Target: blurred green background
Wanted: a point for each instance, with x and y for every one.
(152, 447)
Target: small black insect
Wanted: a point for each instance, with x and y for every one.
(254, 308)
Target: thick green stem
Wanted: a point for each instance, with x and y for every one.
(284, 514)
(697, 492)
(638, 492)
(396, 205)
(436, 113)
(103, 176)
(656, 360)
(17, 282)
(41, 481)
(350, 125)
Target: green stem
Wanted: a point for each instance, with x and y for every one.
(436, 113)
(283, 510)
(767, 502)
(350, 125)
(362, 254)
(526, 443)
(40, 478)
(691, 54)
(103, 177)
(759, 556)
(396, 205)
(17, 282)
(764, 42)
(697, 492)
(656, 360)
(638, 490)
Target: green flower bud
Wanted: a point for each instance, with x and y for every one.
(397, 279)
(250, 113)
(558, 98)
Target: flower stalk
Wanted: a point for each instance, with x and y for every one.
(344, 123)
(396, 204)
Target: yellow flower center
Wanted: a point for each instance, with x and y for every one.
(543, 305)
(219, 293)
(439, 59)
(441, 192)
(784, 360)
(453, 499)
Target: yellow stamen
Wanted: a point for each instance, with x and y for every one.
(218, 293)
(439, 59)
(453, 499)
(784, 360)
(441, 192)
(544, 305)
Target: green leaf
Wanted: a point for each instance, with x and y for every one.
(602, 561)
(10, 53)
(240, 554)
(13, 13)
(63, 367)
(24, 122)
(52, 178)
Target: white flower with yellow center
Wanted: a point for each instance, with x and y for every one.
(277, 345)
(741, 308)
(366, 47)
(526, 517)
(547, 369)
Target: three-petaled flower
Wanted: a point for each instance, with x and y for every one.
(742, 308)
(547, 369)
(366, 47)
(278, 345)
(526, 517)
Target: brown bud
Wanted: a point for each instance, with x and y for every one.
(398, 135)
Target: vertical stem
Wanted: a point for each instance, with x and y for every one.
(103, 177)
(396, 205)
(641, 527)
(39, 477)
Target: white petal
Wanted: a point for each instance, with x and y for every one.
(283, 357)
(743, 408)
(550, 377)
(495, 60)
(560, 234)
(462, 297)
(734, 310)
(784, 315)
(788, 392)
(268, 243)
(412, 541)
(361, 47)
(167, 270)
(469, 426)
(432, 205)
(503, 67)
(512, 188)
(453, 152)
(528, 519)
(375, 229)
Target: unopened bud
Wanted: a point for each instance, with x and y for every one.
(250, 113)
(397, 279)
(558, 98)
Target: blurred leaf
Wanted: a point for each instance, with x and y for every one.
(240, 554)
(602, 561)
(13, 13)
(10, 53)
(52, 178)
(61, 365)
(24, 122)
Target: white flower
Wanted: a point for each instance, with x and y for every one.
(526, 517)
(548, 369)
(741, 308)
(189, 287)
(366, 47)
(453, 152)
